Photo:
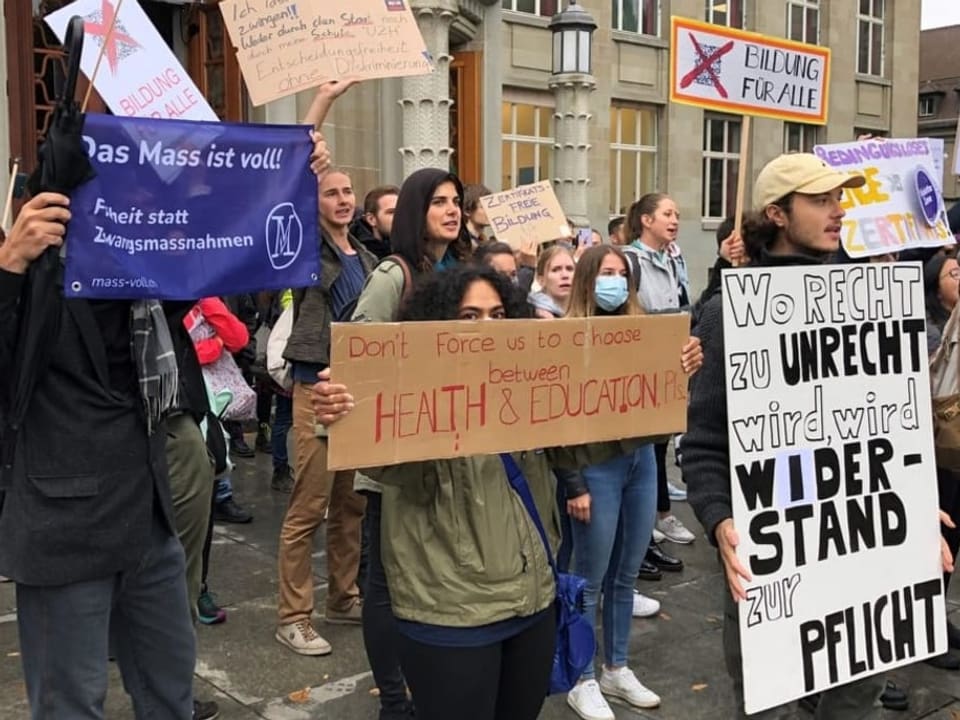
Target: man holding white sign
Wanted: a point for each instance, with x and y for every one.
(828, 499)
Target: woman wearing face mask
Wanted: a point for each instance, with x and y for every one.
(427, 237)
(555, 276)
(471, 584)
(613, 521)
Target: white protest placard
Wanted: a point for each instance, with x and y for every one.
(938, 154)
(528, 213)
(900, 206)
(139, 76)
(832, 472)
(730, 70)
(285, 47)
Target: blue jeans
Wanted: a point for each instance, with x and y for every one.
(282, 420)
(222, 489)
(565, 552)
(142, 613)
(610, 548)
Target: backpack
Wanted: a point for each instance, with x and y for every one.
(279, 369)
(347, 311)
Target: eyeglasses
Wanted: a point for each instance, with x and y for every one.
(953, 274)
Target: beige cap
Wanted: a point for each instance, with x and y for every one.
(802, 173)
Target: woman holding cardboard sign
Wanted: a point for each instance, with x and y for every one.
(613, 521)
(471, 585)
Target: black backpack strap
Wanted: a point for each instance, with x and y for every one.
(635, 267)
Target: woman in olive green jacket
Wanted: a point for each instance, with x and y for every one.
(470, 580)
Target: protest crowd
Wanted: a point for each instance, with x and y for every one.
(449, 567)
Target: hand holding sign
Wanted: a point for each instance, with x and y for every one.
(728, 541)
(40, 224)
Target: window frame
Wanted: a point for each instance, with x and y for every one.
(539, 7)
(618, 147)
(932, 99)
(726, 156)
(875, 23)
(542, 143)
(709, 13)
(806, 143)
(616, 22)
(808, 6)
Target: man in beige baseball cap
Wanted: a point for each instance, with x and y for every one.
(797, 222)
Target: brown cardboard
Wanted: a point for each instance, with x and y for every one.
(285, 46)
(440, 390)
(529, 213)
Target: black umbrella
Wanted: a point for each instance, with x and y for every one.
(63, 165)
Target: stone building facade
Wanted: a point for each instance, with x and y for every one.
(489, 110)
(938, 105)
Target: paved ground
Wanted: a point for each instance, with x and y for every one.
(252, 676)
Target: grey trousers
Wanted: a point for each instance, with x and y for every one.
(66, 632)
(191, 488)
(853, 701)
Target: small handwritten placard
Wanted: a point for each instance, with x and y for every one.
(285, 46)
(526, 213)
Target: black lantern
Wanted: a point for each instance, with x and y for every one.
(572, 40)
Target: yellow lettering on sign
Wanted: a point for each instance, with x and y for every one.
(870, 194)
(848, 234)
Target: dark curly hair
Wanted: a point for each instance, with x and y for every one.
(438, 295)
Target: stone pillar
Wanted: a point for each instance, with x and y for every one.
(571, 150)
(425, 99)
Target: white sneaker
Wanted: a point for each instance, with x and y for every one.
(644, 606)
(658, 537)
(673, 530)
(676, 493)
(302, 639)
(622, 683)
(588, 703)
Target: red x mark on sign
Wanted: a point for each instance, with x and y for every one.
(705, 65)
(102, 30)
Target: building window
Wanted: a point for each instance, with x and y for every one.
(803, 21)
(721, 163)
(725, 12)
(633, 155)
(928, 106)
(546, 8)
(637, 16)
(870, 38)
(527, 144)
(799, 137)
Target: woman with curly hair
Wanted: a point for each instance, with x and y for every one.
(469, 576)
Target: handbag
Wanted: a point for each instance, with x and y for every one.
(576, 643)
(223, 374)
(945, 392)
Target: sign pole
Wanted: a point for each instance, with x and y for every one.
(103, 49)
(745, 128)
(8, 205)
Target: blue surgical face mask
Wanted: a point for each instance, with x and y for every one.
(610, 292)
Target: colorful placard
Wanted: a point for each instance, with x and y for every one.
(729, 70)
(901, 205)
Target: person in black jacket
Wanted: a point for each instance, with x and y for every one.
(797, 223)
(86, 526)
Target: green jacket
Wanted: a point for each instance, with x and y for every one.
(578, 457)
(458, 546)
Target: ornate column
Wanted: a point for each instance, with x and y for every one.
(425, 99)
(572, 82)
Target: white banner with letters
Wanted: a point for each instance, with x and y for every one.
(832, 475)
(139, 76)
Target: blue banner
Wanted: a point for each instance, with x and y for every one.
(181, 210)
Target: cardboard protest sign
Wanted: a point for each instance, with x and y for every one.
(526, 213)
(432, 390)
(901, 206)
(729, 70)
(285, 47)
(240, 216)
(139, 75)
(832, 474)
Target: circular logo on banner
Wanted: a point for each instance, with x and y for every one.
(928, 196)
(284, 233)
